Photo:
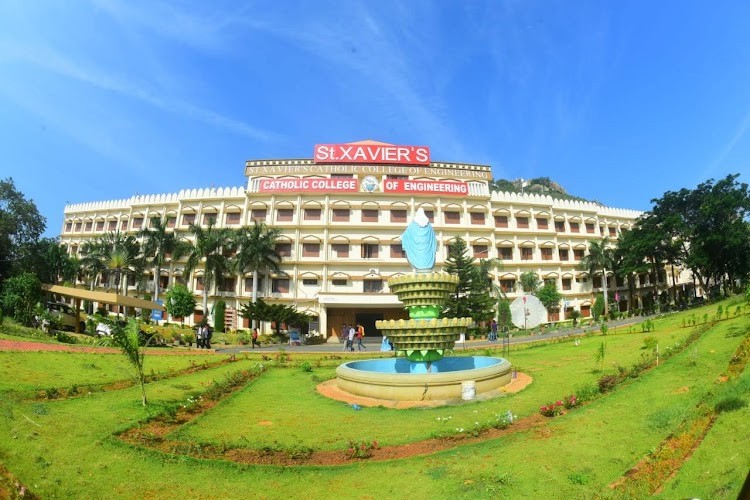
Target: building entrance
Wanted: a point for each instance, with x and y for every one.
(368, 320)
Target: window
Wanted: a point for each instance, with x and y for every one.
(153, 221)
(506, 253)
(560, 226)
(311, 249)
(249, 284)
(546, 254)
(310, 281)
(232, 218)
(112, 225)
(369, 215)
(258, 214)
(88, 226)
(477, 218)
(452, 218)
(199, 283)
(369, 250)
(577, 254)
(171, 221)
(78, 226)
(284, 215)
(227, 284)
(564, 254)
(209, 218)
(430, 215)
(100, 225)
(566, 284)
(340, 215)
(280, 285)
(597, 283)
(527, 253)
(341, 250)
(68, 226)
(137, 223)
(372, 286)
(613, 231)
(123, 226)
(590, 228)
(522, 222)
(620, 281)
(582, 279)
(398, 215)
(312, 214)
(575, 227)
(508, 285)
(338, 282)
(397, 251)
(480, 251)
(501, 221)
(284, 249)
(188, 219)
(542, 224)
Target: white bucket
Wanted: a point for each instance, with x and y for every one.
(468, 390)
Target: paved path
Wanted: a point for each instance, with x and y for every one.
(373, 342)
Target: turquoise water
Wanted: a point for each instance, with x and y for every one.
(403, 365)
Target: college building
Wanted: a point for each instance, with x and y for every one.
(341, 215)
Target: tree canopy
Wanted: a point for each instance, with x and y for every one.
(473, 296)
(20, 224)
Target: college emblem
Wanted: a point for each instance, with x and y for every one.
(370, 184)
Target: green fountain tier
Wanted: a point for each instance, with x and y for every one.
(424, 340)
(423, 294)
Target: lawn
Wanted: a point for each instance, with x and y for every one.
(68, 447)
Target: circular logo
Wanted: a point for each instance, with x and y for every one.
(369, 184)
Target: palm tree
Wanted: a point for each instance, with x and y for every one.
(92, 262)
(157, 243)
(120, 256)
(599, 258)
(208, 248)
(256, 253)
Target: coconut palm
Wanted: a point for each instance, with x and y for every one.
(120, 257)
(157, 243)
(208, 248)
(599, 259)
(92, 262)
(256, 252)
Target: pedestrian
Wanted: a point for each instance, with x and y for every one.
(360, 336)
(207, 337)
(493, 330)
(255, 338)
(345, 336)
(350, 340)
(199, 336)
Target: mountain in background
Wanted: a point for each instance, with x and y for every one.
(538, 185)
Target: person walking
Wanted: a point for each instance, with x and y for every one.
(360, 336)
(350, 340)
(345, 336)
(493, 331)
(199, 336)
(255, 338)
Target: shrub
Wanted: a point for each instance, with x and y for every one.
(570, 401)
(361, 449)
(650, 343)
(219, 312)
(306, 366)
(586, 392)
(598, 308)
(607, 383)
(552, 410)
(730, 404)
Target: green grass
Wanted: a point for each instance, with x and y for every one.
(67, 448)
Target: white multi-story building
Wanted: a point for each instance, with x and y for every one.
(341, 215)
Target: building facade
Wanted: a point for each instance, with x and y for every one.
(341, 215)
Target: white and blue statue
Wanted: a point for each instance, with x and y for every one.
(419, 242)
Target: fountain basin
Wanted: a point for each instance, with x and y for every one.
(402, 380)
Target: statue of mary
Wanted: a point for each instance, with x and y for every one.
(419, 243)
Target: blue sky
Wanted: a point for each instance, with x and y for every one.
(617, 101)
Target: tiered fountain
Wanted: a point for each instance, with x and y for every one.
(420, 372)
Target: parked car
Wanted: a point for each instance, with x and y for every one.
(104, 328)
(66, 316)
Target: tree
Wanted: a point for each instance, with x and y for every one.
(127, 338)
(473, 295)
(549, 296)
(256, 252)
(20, 224)
(180, 302)
(19, 296)
(209, 249)
(48, 259)
(599, 258)
(158, 242)
(219, 311)
(529, 282)
(276, 313)
(504, 320)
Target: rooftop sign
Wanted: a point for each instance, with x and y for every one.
(371, 152)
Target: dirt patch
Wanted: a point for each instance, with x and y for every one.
(31, 346)
(265, 422)
(681, 390)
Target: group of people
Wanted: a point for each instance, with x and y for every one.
(203, 336)
(351, 332)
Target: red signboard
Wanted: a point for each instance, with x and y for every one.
(442, 188)
(290, 184)
(371, 153)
